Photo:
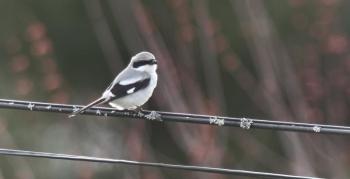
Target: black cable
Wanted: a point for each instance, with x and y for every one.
(24, 153)
(245, 123)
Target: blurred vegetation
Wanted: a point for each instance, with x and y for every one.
(279, 60)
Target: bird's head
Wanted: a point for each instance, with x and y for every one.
(144, 61)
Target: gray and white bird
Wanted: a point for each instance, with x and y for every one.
(132, 87)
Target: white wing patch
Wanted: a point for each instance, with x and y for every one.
(130, 80)
(131, 90)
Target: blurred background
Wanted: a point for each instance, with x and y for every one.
(280, 60)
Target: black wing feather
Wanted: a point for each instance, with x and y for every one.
(119, 90)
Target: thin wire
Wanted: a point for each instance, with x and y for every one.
(24, 153)
(245, 123)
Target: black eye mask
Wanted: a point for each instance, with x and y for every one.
(144, 62)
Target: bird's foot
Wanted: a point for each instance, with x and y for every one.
(139, 110)
(150, 115)
(136, 112)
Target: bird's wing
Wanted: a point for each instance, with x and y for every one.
(115, 91)
(119, 90)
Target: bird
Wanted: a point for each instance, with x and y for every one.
(132, 87)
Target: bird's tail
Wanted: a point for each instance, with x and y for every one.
(96, 102)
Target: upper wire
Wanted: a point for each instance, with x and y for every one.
(244, 123)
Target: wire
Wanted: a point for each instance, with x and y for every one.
(245, 123)
(25, 153)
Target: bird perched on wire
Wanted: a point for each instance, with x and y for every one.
(132, 87)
